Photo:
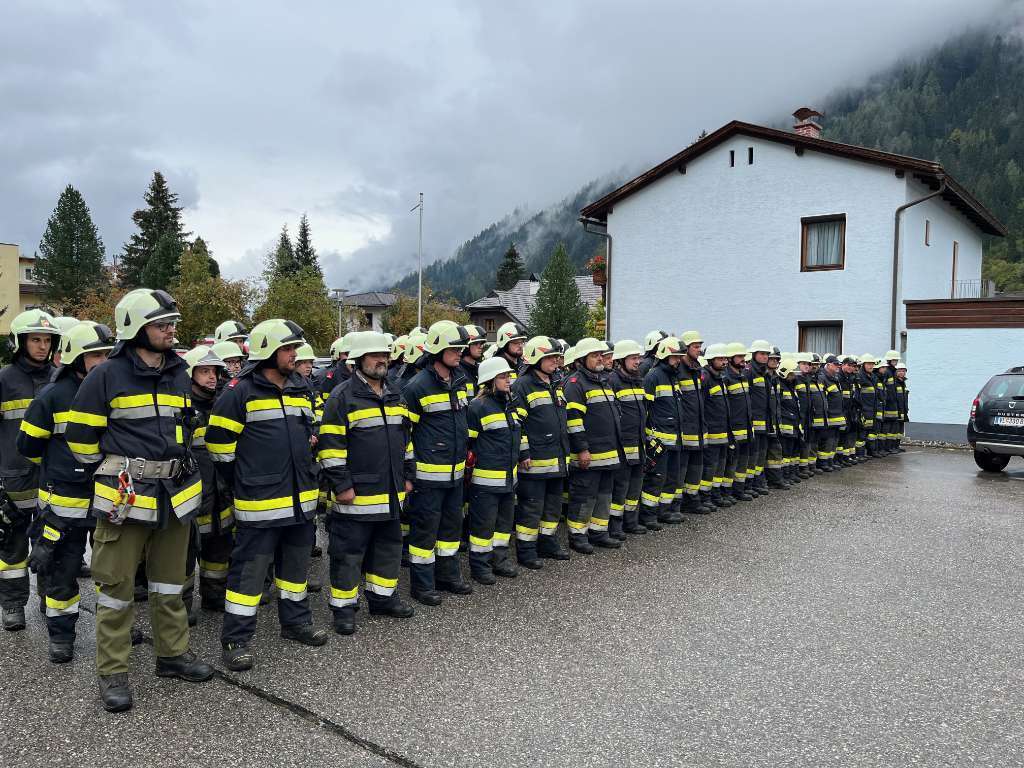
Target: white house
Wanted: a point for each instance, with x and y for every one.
(753, 232)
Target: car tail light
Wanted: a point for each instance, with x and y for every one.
(974, 408)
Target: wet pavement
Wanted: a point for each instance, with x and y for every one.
(872, 617)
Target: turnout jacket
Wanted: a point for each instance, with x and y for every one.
(258, 438)
(125, 408)
(834, 406)
(216, 513)
(332, 376)
(692, 428)
(664, 408)
(629, 393)
(816, 407)
(20, 382)
(737, 391)
(496, 440)
(756, 377)
(890, 405)
(716, 406)
(65, 490)
(364, 445)
(469, 371)
(541, 409)
(903, 399)
(867, 397)
(774, 402)
(790, 422)
(437, 410)
(592, 415)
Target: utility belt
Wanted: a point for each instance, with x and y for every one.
(139, 468)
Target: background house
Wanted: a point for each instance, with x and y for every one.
(753, 232)
(372, 305)
(18, 288)
(515, 304)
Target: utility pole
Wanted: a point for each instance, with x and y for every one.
(419, 265)
(339, 296)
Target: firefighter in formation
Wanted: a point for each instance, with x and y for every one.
(162, 461)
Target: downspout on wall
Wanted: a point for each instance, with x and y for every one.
(607, 270)
(896, 254)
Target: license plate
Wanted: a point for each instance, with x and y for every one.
(1008, 421)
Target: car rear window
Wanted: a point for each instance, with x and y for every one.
(1005, 387)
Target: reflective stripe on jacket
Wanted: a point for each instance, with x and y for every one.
(716, 406)
(692, 429)
(19, 383)
(629, 393)
(664, 409)
(437, 410)
(497, 442)
(736, 389)
(542, 413)
(756, 377)
(592, 415)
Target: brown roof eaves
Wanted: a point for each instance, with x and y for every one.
(928, 171)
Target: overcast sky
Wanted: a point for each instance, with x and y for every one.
(258, 111)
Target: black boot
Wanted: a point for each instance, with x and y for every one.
(428, 597)
(551, 548)
(115, 692)
(305, 634)
(14, 619)
(61, 653)
(502, 564)
(615, 528)
(396, 608)
(448, 576)
(652, 524)
(578, 543)
(526, 554)
(184, 667)
(238, 657)
(344, 620)
(480, 569)
(604, 540)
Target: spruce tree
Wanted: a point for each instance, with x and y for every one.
(511, 270)
(162, 268)
(559, 311)
(281, 263)
(70, 258)
(305, 254)
(160, 217)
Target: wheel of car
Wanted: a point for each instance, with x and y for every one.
(991, 462)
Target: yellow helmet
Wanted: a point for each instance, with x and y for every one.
(444, 334)
(33, 321)
(270, 335)
(415, 350)
(691, 337)
(652, 339)
(892, 354)
(305, 352)
(339, 347)
(143, 306)
(369, 342)
(538, 348)
(667, 347)
(736, 349)
(398, 347)
(65, 323)
(625, 348)
(200, 356)
(85, 336)
(867, 357)
(588, 345)
(230, 330)
(491, 367)
(716, 350)
(476, 333)
(760, 345)
(489, 349)
(509, 332)
(226, 350)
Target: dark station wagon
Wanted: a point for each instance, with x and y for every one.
(996, 427)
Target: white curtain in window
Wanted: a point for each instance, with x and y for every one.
(824, 242)
(822, 339)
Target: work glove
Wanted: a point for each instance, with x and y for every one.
(10, 517)
(47, 535)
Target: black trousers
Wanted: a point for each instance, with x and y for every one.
(435, 527)
(826, 440)
(659, 487)
(61, 585)
(14, 567)
(626, 489)
(691, 469)
(590, 500)
(538, 510)
(491, 518)
(715, 461)
(775, 461)
(367, 550)
(288, 549)
(809, 450)
(739, 463)
(758, 458)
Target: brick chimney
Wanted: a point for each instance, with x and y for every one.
(806, 124)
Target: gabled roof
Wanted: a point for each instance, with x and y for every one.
(370, 299)
(518, 301)
(927, 171)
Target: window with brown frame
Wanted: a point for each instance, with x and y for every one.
(822, 242)
(489, 325)
(821, 336)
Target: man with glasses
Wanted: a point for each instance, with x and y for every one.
(130, 423)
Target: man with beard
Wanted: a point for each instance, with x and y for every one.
(367, 460)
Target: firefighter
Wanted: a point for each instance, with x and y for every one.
(33, 338)
(804, 383)
(212, 539)
(741, 463)
(664, 417)
(867, 396)
(508, 343)
(847, 451)
(882, 405)
(595, 443)
(891, 409)
(714, 483)
(628, 386)
(231, 330)
(231, 354)
(436, 401)
(834, 419)
(497, 447)
(650, 359)
(541, 407)
(756, 377)
(367, 460)
(397, 354)
(412, 361)
(62, 522)
(789, 420)
(64, 324)
(337, 371)
(130, 425)
(693, 429)
(817, 411)
(275, 491)
(472, 356)
(775, 456)
(902, 404)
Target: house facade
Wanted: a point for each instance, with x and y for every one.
(753, 232)
(499, 307)
(370, 308)
(18, 289)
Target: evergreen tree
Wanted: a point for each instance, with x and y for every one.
(511, 270)
(305, 254)
(302, 297)
(281, 263)
(70, 258)
(559, 311)
(162, 268)
(160, 217)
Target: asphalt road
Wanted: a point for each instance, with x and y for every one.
(870, 618)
